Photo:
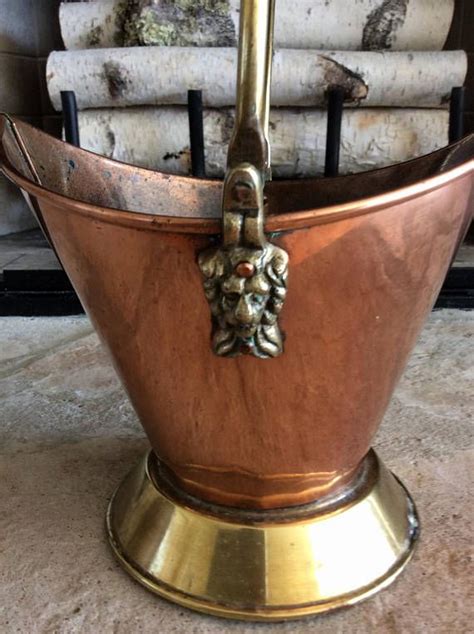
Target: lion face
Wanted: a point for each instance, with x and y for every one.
(243, 302)
(246, 289)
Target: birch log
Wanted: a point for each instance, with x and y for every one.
(158, 138)
(162, 75)
(325, 24)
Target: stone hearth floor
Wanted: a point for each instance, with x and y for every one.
(68, 435)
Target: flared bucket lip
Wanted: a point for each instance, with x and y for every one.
(286, 221)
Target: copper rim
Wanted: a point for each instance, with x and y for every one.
(275, 223)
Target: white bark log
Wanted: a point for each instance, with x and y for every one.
(158, 138)
(162, 75)
(325, 24)
(90, 24)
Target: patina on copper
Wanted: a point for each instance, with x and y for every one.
(368, 255)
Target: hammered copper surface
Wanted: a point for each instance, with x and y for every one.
(364, 274)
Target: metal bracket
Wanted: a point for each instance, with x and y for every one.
(245, 278)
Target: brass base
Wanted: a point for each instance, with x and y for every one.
(268, 565)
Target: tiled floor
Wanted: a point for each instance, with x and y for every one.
(68, 435)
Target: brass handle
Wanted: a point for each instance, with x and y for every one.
(245, 278)
(249, 142)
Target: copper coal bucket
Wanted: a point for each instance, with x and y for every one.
(259, 336)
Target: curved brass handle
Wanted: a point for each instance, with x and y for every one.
(245, 278)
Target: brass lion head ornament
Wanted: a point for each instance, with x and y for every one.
(245, 278)
(246, 289)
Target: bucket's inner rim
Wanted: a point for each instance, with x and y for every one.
(90, 178)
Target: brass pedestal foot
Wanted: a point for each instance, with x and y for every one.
(269, 565)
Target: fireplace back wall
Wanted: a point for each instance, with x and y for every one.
(29, 30)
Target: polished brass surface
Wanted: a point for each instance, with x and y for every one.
(245, 278)
(262, 569)
(249, 141)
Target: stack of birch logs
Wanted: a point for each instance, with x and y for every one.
(132, 62)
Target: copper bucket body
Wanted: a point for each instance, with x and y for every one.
(245, 443)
